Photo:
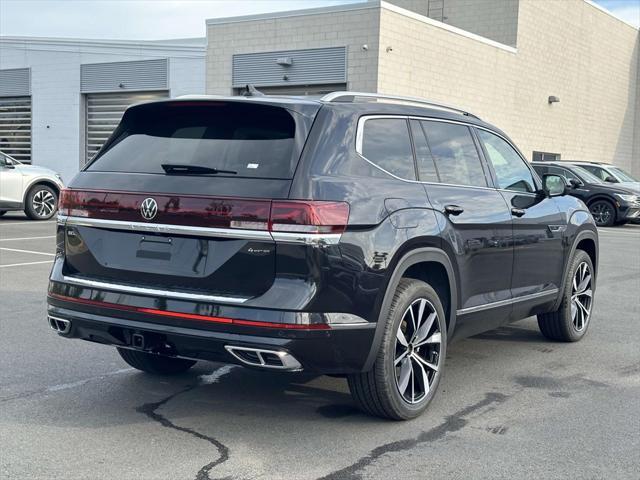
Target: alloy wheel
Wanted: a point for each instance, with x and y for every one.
(44, 203)
(417, 354)
(581, 297)
(602, 213)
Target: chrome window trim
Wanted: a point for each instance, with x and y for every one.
(359, 139)
(155, 292)
(508, 301)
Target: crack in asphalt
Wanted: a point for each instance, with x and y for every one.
(150, 410)
(453, 423)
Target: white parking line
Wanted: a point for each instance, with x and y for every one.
(25, 238)
(27, 263)
(27, 222)
(614, 231)
(27, 251)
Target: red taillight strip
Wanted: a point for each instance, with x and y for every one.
(304, 217)
(192, 316)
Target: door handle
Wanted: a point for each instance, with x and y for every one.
(517, 212)
(454, 210)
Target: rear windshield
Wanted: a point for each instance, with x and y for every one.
(249, 139)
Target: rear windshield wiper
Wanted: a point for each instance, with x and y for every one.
(172, 168)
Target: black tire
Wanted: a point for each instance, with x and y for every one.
(620, 223)
(41, 202)
(562, 325)
(603, 212)
(378, 391)
(155, 364)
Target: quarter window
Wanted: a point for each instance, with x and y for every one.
(454, 152)
(511, 171)
(386, 142)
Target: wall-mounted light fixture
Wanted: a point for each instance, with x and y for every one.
(553, 99)
(284, 61)
(365, 47)
(389, 49)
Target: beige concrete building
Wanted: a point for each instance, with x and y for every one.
(501, 59)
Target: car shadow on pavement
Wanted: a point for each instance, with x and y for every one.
(512, 333)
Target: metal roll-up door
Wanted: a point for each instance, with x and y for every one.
(15, 127)
(104, 111)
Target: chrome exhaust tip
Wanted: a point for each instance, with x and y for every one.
(263, 358)
(58, 324)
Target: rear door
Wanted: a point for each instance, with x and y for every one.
(474, 218)
(131, 221)
(538, 224)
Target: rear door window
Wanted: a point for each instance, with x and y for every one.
(252, 140)
(601, 173)
(386, 143)
(455, 154)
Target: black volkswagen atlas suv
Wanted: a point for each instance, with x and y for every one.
(354, 235)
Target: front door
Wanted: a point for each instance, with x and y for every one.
(538, 226)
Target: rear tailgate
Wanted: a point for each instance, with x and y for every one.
(128, 222)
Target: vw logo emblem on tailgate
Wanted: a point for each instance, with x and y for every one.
(149, 208)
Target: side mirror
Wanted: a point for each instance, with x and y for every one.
(610, 179)
(573, 183)
(8, 163)
(554, 185)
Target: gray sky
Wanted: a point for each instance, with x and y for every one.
(159, 19)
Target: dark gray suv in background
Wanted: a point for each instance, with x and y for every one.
(354, 235)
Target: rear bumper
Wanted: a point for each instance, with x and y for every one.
(336, 349)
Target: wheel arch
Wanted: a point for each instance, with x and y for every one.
(587, 240)
(40, 181)
(429, 264)
(601, 196)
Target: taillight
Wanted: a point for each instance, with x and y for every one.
(308, 216)
(293, 216)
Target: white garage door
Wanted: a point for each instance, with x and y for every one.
(104, 111)
(15, 127)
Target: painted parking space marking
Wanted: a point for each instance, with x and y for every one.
(25, 238)
(26, 263)
(26, 222)
(27, 251)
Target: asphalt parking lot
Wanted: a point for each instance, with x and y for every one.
(511, 404)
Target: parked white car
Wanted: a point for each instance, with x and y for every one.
(28, 187)
(611, 174)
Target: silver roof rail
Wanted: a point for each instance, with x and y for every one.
(335, 96)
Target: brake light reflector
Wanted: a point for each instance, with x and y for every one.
(310, 216)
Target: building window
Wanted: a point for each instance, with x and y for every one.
(545, 157)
